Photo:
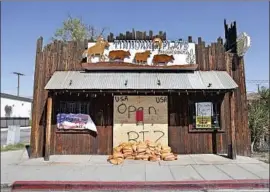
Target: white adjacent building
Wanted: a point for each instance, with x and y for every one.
(15, 106)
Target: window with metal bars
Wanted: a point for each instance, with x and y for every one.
(74, 107)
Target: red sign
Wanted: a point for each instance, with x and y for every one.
(139, 115)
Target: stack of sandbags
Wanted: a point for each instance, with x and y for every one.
(147, 151)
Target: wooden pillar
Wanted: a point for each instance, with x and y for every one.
(48, 128)
(35, 131)
(232, 146)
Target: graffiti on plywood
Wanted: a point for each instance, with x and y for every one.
(155, 119)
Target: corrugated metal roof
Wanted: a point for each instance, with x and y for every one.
(140, 80)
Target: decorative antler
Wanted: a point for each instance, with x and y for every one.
(102, 32)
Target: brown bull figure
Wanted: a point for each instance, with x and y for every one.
(162, 58)
(118, 54)
(97, 49)
(142, 57)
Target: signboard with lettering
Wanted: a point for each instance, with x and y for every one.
(143, 52)
(154, 126)
(204, 111)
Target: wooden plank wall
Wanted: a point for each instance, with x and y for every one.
(184, 142)
(60, 56)
(181, 141)
(50, 58)
(85, 142)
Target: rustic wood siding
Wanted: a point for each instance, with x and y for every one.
(85, 141)
(180, 139)
(60, 56)
(184, 142)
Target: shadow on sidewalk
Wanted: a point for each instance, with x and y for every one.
(28, 149)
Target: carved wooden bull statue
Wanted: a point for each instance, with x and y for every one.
(97, 49)
(162, 58)
(142, 57)
(118, 54)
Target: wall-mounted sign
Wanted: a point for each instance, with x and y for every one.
(143, 52)
(204, 111)
(243, 44)
(127, 113)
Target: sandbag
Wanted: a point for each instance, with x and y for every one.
(148, 151)
(118, 155)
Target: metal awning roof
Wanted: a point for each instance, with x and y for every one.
(199, 80)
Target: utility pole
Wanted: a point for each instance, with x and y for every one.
(258, 87)
(18, 85)
(258, 83)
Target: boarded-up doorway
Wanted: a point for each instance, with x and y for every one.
(155, 119)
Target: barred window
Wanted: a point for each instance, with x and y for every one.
(74, 107)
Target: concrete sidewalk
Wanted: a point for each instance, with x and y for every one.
(15, 166)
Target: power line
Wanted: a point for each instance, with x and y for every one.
(258, 81)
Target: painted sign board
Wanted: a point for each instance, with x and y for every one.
(155, 119)
(176, 52)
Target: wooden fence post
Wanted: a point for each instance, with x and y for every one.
(48, 129)
(232, 146)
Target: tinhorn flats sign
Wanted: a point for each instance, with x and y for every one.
(142, 52)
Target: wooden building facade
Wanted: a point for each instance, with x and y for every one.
(58, 61)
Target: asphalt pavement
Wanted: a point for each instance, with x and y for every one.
(24, 136)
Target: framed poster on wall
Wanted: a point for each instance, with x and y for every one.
(204, 113)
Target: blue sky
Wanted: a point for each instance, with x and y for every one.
(23, 22)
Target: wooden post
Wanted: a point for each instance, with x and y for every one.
(232, 146)
(35, 131)
(48, 128)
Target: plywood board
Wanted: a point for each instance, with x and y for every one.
(154, 127)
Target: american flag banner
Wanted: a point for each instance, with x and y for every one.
(75, 121)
